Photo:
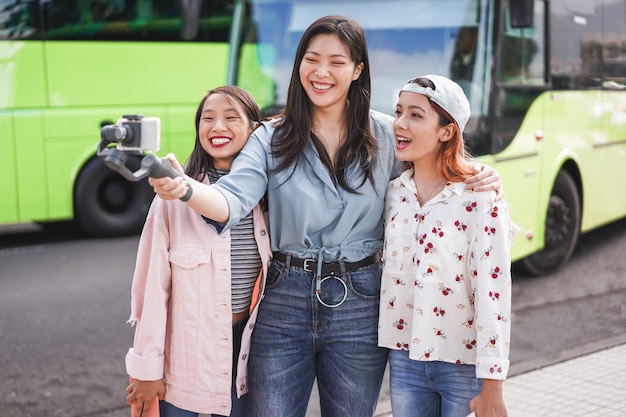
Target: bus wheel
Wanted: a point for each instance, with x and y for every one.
(106, 204)
(562, 228)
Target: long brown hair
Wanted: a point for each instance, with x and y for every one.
(454, 157)
(200, 162)
(295, 125)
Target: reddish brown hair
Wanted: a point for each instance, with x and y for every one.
(454, 162)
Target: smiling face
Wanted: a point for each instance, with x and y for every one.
(416, 127)
(327, 70)
(223, 129)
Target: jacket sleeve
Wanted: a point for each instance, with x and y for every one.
(150, 297)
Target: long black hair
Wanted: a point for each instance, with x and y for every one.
(295, 125)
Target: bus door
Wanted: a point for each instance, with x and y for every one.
(518, 136)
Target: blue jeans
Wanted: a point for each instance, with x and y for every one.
(168, 410)
(239, 405)
(430, 389)
(297, 339)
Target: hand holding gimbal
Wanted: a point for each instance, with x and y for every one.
(136, 135)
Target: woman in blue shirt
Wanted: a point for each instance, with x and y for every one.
(325, 162)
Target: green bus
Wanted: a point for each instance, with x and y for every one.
(68, 67)
(545, 78)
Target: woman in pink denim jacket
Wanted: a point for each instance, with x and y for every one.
(192, 296)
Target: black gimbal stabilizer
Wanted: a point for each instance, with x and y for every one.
(136, 135)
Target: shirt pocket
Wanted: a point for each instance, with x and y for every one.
(190, 266)
(454, 255)
(400, 243)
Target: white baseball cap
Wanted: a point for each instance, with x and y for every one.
(447, 94)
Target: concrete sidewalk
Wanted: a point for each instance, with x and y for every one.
(592, 385)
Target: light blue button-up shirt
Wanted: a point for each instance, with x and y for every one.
(309, 216)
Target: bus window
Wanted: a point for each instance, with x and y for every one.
(464, 56)
(419, 40)
(61, 13)
(521, 53)
(19, 20)
(589, 45)
(133, 20)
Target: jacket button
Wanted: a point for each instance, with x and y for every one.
(242, 386)
(244, 356)
(263, 232)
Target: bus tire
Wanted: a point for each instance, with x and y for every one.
(106, 204)
(562, 229)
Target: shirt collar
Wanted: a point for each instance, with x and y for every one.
(449, 190)
(454, 188)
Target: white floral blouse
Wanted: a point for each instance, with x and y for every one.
(446, 284)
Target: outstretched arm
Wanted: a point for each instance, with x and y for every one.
(204, 199)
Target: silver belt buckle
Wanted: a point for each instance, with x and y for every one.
(305, 265)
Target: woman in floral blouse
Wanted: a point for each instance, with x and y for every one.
(446, 285)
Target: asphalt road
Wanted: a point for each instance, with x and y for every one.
(64, 301)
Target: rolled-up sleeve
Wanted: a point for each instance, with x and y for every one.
(149, 299)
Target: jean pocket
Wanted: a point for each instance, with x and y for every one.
(365, 282)
(275, 274)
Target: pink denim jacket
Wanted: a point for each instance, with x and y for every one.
(181, 305)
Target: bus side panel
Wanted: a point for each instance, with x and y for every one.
(72, 138)
(128, 73)
(8, 169)
(594, 140)
(22, 75)
(615, 124)
(22, 86)
(32, 169)
(84, 96)
(593, 145)
(604, 189)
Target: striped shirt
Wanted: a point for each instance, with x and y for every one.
(244, 257)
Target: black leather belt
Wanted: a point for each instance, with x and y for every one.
(310, 265)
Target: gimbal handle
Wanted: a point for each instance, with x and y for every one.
(151, 166)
